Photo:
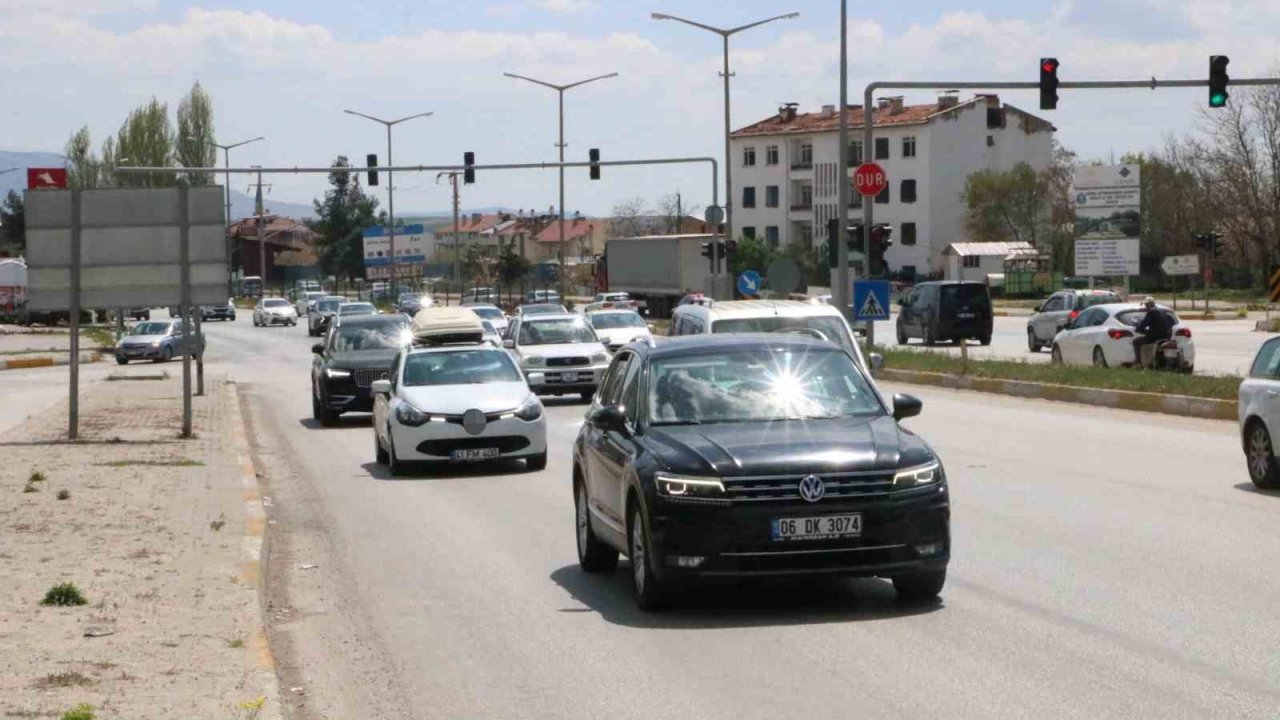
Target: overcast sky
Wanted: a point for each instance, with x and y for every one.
(287, 68)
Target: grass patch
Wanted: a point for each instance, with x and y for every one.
(30, 488)
(64, 595)
(216, 525)
(80, 712)
(64, 494)
(236, 644)
(36, 476)
(71, 678)
(152, 463)
(98, 336)
(1221, 387)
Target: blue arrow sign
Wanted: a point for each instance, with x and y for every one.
(749, 283)
(871, 300)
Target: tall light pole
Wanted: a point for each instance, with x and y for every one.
(9, 170)
(226, 186)
(560, 89)
(391, 193)
(725, 34)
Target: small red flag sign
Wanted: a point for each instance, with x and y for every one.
(46, 178)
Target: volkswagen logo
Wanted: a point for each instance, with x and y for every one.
(812, 488)
(473, 422)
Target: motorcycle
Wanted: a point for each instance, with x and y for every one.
(1163, 355)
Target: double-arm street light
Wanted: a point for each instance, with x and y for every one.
(9, 170)
(560, 89)
(391, 196)
(226, 186)
(725, 34)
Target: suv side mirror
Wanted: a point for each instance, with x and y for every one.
(609, 419)
(318, 348)
(906, 406)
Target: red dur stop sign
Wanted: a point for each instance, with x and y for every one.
(870, 179)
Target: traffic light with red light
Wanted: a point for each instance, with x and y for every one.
(1218, 80)
(1048, 83)
(468, 169)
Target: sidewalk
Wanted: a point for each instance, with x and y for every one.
(22, 348)
(155, 533)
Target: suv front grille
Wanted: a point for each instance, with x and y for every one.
(365, 378)
(568, 361)
(867, 485)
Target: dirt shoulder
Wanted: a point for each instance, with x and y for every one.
(152, 530)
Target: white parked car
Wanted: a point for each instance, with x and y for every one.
(274, 311)
(457, 403)
(560, 354)
(616, 328)
(492, 313)
(611, 301)
(1103, 336)
(1260, 415)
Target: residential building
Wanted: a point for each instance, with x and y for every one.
(979, 261)
(786, 166)
(584, 240)
(288, 242)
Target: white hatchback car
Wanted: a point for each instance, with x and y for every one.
(1260, 415)
(456, 403)
(1103, 336)
(560, 354)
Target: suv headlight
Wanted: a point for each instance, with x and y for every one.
(531, 409)
(600, 357)
(533, 361)
(684, 486)
(411, 416)
(919, 475)
(334, 374)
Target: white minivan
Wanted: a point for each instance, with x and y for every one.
(765, 316)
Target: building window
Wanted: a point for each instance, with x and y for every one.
(749, 232)
(972, 261)
(771, 235)
(771, 196)
(908, 192)
(908, 147)
(748, 197)
(991, 141)
(883, 197)
(908, 233)
(806, 195)
(855, 153)
(749, 156)
(771, 155)
(995, 118)
(806, 153)
(882, 148)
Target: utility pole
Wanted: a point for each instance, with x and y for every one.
(226, 186)
(457, 253)
(679, 213)
(843, 291)
(259, 210)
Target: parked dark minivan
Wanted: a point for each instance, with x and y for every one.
(948, 310)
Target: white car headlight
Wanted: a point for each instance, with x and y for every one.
(679, 486)
(155, 343)
(600, 357)
(334, 374)
(533, 361)
(531, 409)
(409, 415)
(920, 475)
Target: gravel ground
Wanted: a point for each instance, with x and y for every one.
(151, 535)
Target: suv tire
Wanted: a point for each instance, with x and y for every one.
(593, 556)
(1032, 343)
(920, 586)
(646, 589)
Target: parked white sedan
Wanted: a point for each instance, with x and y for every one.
(457, 404)
(1260, 415)
(1103, 336)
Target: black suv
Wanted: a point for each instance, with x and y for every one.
(729, 456)
(953, 310)
(354, 354)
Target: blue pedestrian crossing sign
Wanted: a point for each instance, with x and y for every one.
(749, 283)
(871, 300)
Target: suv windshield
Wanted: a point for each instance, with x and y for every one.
(831, 327)
(560, 331)
(356, 309)
(150, 328)
(543, 309)
(488, 313)
(975, 296)
(460, 367)
(614, 321)
(758, 386)
(370, 336)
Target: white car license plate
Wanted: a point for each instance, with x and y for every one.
(824, 527)
(474, 454)
(569, 377)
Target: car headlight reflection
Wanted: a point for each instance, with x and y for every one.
(671, 485)
(411, 416)
(916, 476)
(531, 409)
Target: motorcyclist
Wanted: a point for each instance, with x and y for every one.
(1155, 327)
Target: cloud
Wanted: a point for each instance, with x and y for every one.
(566, 7)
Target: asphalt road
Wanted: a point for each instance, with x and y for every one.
(1105, 564)
(1223, 347)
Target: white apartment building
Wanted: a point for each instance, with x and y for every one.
(785, 170)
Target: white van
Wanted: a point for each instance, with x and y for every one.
(764, 316)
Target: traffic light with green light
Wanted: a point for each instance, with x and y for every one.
(1218, 81)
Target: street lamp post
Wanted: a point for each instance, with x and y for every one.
(725, 33)
(391, 194)
(226, 186)
(560, 89)
(9, 170)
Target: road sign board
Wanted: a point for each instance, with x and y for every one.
(714, 216)
(46, 178)
(1181, 265)
(749, 283)
(871, 300)
(1273, 284)
(1107, 257)
(784, 275)
(870, 179)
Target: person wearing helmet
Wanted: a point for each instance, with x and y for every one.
(1155, 327)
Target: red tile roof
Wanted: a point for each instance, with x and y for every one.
(573, 230)
(466, 225)
(817, 122)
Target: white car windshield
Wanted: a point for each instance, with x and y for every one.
(615, 321)
(460, 367)
(150, 328)
(758, 386)
(561, 331)
(832, 328)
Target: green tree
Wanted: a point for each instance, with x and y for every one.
(1007, 206)
(512, 267)
(83, 167)
(195, 134)
(341, 216)
(811, 260)
(753, 254)
(13, 219)
(146, 139)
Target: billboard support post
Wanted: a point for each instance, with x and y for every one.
(184, 307)
(73, 414)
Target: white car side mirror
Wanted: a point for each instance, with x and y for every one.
(381, 387)
(509, 344)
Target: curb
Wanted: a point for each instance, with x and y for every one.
(42, 362)
(254, 561)
(1182, 405)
